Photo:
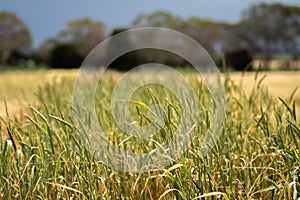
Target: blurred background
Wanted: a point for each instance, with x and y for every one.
(59, 34)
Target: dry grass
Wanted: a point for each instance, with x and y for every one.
(279, 84)
(254, 158)
(18, 88)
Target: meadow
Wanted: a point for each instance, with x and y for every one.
(257, 155)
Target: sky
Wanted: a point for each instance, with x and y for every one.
(46, 18)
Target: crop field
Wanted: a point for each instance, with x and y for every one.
(257, 154)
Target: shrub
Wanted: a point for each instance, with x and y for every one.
(239, 59)
(65, 56)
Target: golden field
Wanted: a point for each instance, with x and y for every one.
(19, 88)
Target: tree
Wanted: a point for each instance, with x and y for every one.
(83, 34)
(162, 19)
(265, 30)
(291, 35)
(238, 59)
(44, 50)
(235, 37)
(272, 28)
(206, 32)
(137, 57)
(65, 56)
(158, 19)
(14, 36)
(126, 61)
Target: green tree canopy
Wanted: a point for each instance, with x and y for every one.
(267, 29)
(83, 34)
(207, 32)
(64, 56)
(158, 19)
(14, 35)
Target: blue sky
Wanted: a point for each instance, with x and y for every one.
(46, 18)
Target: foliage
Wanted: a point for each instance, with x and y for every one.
(255, 32)
(65, 56)
(239, 60)
(158, 19)
(14, 36)
(273, 29)
(126, 61)
(265, 31)
(207, 32)
(83, 34)
(256, 156)
(141, 56)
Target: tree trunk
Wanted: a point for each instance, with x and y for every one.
(4, 57)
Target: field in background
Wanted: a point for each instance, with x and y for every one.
(19, 88)
(277, 64)
(257, 155)
(280, 84)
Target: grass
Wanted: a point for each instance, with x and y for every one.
(19, 87)
(279, 84)
(257, 155)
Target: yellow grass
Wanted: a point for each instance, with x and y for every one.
(280, 84)
(19, 88)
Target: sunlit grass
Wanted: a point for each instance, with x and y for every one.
(19, 88)
(256, 157)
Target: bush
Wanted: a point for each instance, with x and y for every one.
(238, 60)
(65, 56)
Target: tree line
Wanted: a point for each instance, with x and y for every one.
(264, 31)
